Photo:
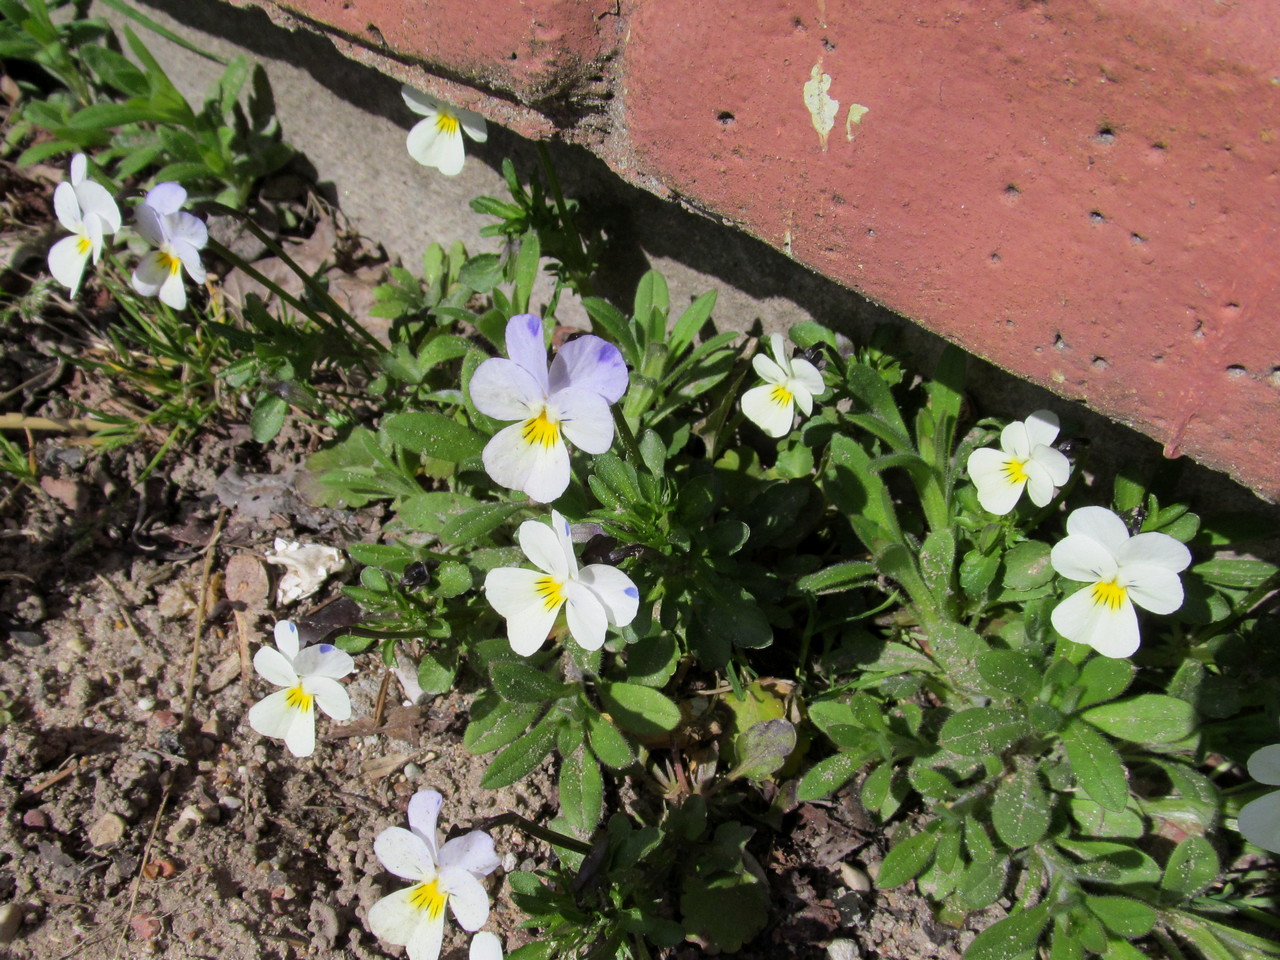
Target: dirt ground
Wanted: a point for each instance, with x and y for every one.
(136, 826)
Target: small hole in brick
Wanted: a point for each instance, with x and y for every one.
(797, 24)
(1275, 377)
(870, 232)
(1137, 238)
(725, 117)
(513, 55)
(1235, 371)
(1100, 363)
(1058, 342)
(827, 45)
(995, 258)
(1012, 192)
(1096, 216)
(1105, 134)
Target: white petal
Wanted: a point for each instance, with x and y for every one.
(66, 207)
(421, 103)
(173, 293)
(541, 471)
(1054, 462)
(1112, 632)
(1080, 557)
(1040, 485)
(93, 229)
(1152, 587)
(272, 716)
(301, 736)
(166, 198)
(473, 124)
(1042, 428)
(1259, 822)
(275, 667)
(590, 363)
(546, 547)
(395, 920)
(427, 937)
(1158, 549)
(94, 198)
(424, 813)
(150, 224)
(781, 352)
(67, 263)
(585, 616)
(331, 697)
(513, 593)
(79, 168)
(1013, 440)
(485, 946)
(1264, 765)
(190, 229)
(807, 374)
(404, 853)
(472, 852)
(467, 897)
(801, 396)
(584, 418)
(614, 589)
(504, 390)
(768, 369)
(760, 408)
(286, 634)
(526, 347)
(1100, 524)
(323, 660)
(433, 147)
(152, 271)
(988, 468)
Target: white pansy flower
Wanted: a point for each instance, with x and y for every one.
(437, 140)
(1259, 820)
(1025, 459)
(178, 238)
(789, 383)
(485, 946)
(593, 598)
(571, 401)
(87, 210)
(442, 874)
(1121, 570)
(310, 677)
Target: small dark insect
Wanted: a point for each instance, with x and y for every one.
(1072, 446)
(416, 574)
(604, 549)
(1135, 518)
(815, 356)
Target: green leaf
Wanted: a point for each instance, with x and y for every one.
(453, 579)
(496, 723)
(524, 756)
(1103, 679)
(1011, 672)
(907, 859)
(482, 272)
(982, 731)
(430, 512)
(827, 776)
(691, 322)
(641, 710)
(1241, 574)
(1147, 718)
(516, 681)
(608, 743)
(1026, 566)
(763, 748)
(267, 418)
(434, 435)
(581, 791)
(836, 578)
(1123, 915)
(477, 522)
(1097, 766)
(1192, 868)
(983, 882)
(1015, 935)
(1020, 810)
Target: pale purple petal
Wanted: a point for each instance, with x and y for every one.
(165, 198)
(152, 271)
(172, 292)
(67, 207)
(527, 348)
(79, 169)
(424, 814)
(323, 660)
(472, 852)
(95, 199)
(183, 226)
(614, 589)
(1259, 822)
(150, 224)
(1264, 765)
(591, 364)
(585, 418)
(504, 390)
(190, 258)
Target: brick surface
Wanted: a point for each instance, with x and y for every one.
(1086, 192)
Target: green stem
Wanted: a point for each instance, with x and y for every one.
(535, 830)
(566, 218)
(628, 438)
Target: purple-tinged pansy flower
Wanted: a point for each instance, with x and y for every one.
(437, 140)
(571, 401)
(790, 384)
(178, 238)
(593, 598)
(442, 874)
(310, 677)
(87, 210)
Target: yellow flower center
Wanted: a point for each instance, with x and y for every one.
(84, 245)
(170, 262)
(447, 124)
(551, 592)
(299, 699)
(1109, 594)
(541, 430)
(429, 897)
(780, 395)
(1013, 471)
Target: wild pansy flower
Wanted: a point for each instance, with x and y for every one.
(178, 238)
(485, 946)
(1259, 820)
(789, 383)
(1025, 459)
(1121, 570)
(571, 402)
(414, 916)
(437, 140)
(592, 598)
(86, 209)
(310, 677)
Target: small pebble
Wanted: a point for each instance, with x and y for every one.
(855, 878)
(412, 771)
(231, 803)
(26, 638)
(843, 950)
(10, 921)
(108, 829)
(163, 719)
(36, 820)
(147, 704)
